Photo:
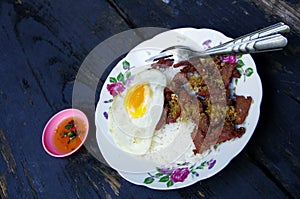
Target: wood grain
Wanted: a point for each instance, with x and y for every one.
(10, 163)
(287, 12)
(43, 44)
(3, 187)
(7, 154)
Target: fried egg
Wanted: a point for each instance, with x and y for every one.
(136, 111)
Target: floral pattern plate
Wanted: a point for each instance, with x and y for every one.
(181, 174)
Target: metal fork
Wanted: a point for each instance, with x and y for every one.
(263, 40)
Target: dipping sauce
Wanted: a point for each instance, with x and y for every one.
(69, 134)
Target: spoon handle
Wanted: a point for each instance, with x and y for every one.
(260, 44)
(263, 40)
(270, 30)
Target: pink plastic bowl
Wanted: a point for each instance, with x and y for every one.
(48, 133)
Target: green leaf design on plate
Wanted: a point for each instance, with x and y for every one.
(128, 74)
(240, 63)
(112, 80)
(170, 183)
(248, 72)
(164, 178)
(126, 65)
(240, 71)
(159, 174)
(202, 165)
(236, 81)
(149, 180)
(239, 56)
(120, 77)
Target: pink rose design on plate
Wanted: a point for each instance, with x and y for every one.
(115, 88)
(180, 174)
(172, 175)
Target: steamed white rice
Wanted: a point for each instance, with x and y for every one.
(173, 144)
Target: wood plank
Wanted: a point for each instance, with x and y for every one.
(32, 56)
(43, 45)
(287, 11)
(274, 145)
(56, 45)
(233, 18)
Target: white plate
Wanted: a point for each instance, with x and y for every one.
(142, 172)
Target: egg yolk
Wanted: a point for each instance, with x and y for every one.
(136, 99)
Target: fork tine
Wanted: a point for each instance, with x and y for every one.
(166, 52)
(159, 56)
(167, 56)
(174, 47)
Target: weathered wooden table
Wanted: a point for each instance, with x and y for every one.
(43, 44)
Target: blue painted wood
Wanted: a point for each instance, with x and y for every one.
(43, 44)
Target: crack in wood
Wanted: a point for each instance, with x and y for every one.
(122, 13)
(111, 179)
(276, 66)
(31, 68)
(18, 2)
(272, 174)
(25, 11)
(93, 183)
(201, 194)
(29, 179)
(3, 187)
(284, 11)
(7, 153)
(76, 188)
(107, 195)
(292, 83)
(292, 96)
(294, 160)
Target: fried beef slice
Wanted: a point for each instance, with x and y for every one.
(227, 72)
(242, 106)
(163, 63)
(229, 132)
(171, 109)
(203, 136)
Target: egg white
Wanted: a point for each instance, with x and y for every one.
(134, 135)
